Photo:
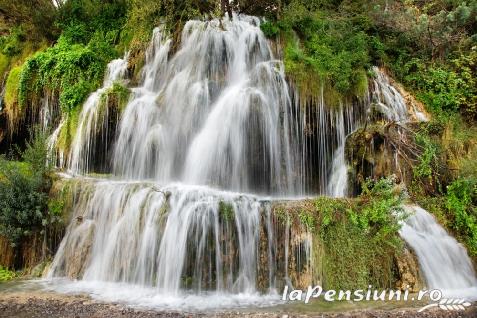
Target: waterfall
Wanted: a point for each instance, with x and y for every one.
(443, 261)
(54, 155)
(211, 121)
(217, 113)
(48, 111)
(338, 182)
(384, 99)
(387, 100)
(93, 117)
(172, 240)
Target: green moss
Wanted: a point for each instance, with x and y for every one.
(68, 131)
(307, 219)
(352, 260)
(11, 87)
(4, 62)
(357, 238)
(72, 70)
(226, 211)
(328, 209)
(329, 53)
(360, 83)
(6, 275)
(281, 214)
(116, 96)
(12, 106)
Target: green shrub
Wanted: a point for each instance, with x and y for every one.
(12, 44)
(331, 47)
(461, 201)
(81, 20)
(6, 275)
(428, 159)
(24, 191)
(73, 70)
(11, 93)
(362, 232)
(4, 61)
(270, 29)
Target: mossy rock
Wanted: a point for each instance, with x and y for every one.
(10, 98)
(4, 62)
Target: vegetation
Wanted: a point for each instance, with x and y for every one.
(226, 211)
(24, 190)
(11, 94)
(61, 48)
(332, 51)
(117, 96)
(6, 275)
(362, 232)
(444, 178)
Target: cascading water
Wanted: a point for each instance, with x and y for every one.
(387, 100)
(92, 118)
(444, 262)
(54, 154)
(338, 182)
(384, 99)
(217, 113)
(171, 241)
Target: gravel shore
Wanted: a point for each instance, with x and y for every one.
(52, 305)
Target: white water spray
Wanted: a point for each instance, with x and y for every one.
(92, 117)
(444, 262)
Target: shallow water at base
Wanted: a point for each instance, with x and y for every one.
(148, 298)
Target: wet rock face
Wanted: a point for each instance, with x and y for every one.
(379, 151)
(409, 273)
(198, 239)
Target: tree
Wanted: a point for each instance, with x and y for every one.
(37, 17)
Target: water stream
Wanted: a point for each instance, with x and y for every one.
(444, 262)
(209, 124)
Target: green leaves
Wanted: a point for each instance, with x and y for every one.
(72, 70)
(24, 190)
(428, 160)
(461, 201)
(334, 47)
(6, 275)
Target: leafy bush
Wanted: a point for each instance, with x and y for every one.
(428, 159)
(270, 29)
(24, 190)
(363, 233)
(445, 89)
(81, 20)
(6, 275)
(11, 87)
(4, 61)
(332, 48)
(12, 43)
(461, 201)
(73, 70)
(380, 209)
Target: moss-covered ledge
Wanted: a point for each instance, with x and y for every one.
(355, 241)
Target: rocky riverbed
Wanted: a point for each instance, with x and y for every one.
(52, 305)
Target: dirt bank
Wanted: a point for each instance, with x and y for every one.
(52, 305)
